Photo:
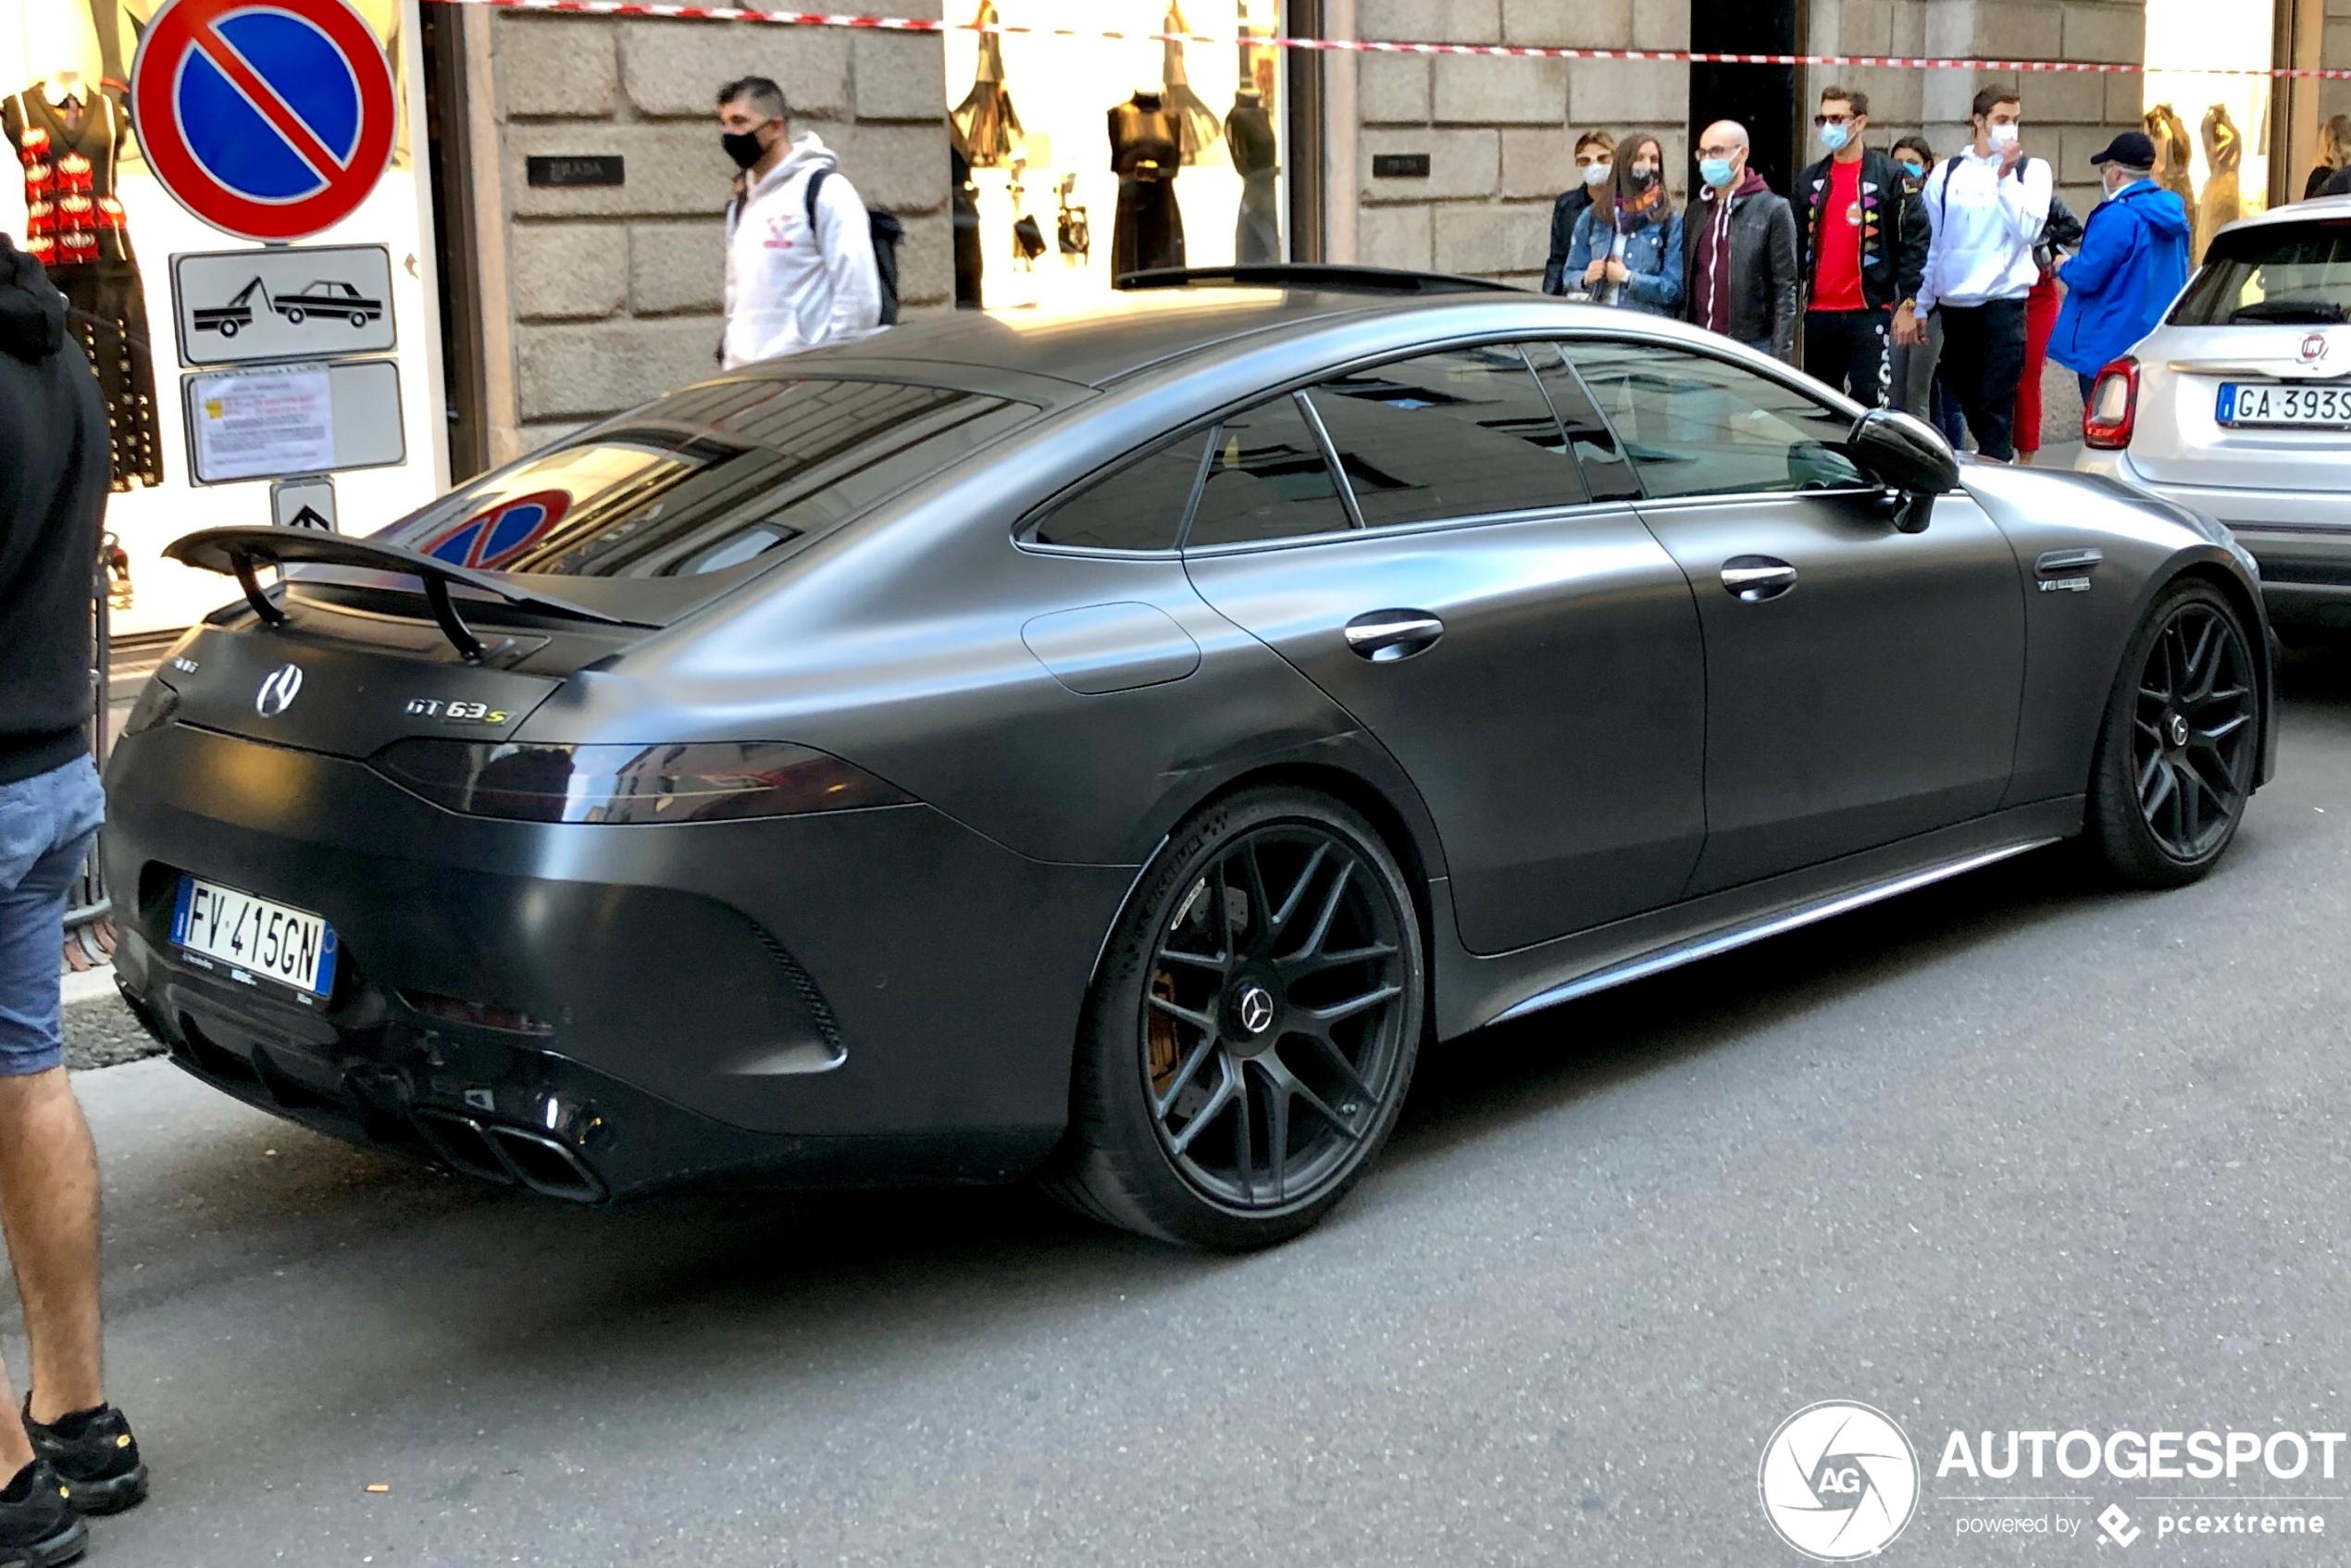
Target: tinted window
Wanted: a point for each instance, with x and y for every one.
(2283, 272)
(758, 463)
(1697, 426)
(1267, 479)
(1447, 435)
(1606, 471)
(1140, 506)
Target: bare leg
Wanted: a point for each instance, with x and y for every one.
(49, 1210)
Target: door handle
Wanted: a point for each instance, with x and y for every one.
(1385, 636)
(1753, 579)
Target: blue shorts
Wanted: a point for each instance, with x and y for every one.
(47, 823)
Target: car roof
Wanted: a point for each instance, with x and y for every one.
(1102, 344)
(2315, 208)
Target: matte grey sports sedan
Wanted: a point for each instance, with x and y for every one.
(1111, 748)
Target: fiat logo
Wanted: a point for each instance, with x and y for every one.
(1255, 1009)
(278, 692)
(2314, 348)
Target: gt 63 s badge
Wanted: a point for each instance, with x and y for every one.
(457, 712)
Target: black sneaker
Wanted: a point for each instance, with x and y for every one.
(37, 1525)
(94, 1455)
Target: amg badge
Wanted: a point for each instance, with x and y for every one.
(457, 712)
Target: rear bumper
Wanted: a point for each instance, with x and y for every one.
(856, 995)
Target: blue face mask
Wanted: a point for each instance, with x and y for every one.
(1833, 137)
(1714, 172)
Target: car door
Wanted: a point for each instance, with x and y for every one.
(1529, 655)
(1862, 683)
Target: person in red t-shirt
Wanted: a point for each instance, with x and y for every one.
(1864, 252)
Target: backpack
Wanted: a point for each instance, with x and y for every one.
(886, 232)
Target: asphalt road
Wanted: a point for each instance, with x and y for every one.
(2009, 1153)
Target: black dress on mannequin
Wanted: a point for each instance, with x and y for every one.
(1146, 150)
(75, 228)
(1248, 130)
(963, 200)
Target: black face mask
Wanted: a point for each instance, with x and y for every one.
(743, 147)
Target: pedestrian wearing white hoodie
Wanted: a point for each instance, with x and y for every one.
(789, 286)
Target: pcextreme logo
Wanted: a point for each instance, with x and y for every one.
(1839, 1481)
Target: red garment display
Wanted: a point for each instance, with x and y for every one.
(1836, 282)
(2040, 320)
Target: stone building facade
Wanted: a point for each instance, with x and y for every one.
(589, 299)
(594, 298)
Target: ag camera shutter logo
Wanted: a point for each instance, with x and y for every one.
(1839, 1481)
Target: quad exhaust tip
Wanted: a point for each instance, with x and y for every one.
(509, 1155)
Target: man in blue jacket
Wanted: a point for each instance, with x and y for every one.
(2133, 264)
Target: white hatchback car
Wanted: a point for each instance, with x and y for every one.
(2239, 404)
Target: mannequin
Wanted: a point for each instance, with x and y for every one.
(1072, 233)
(985, 122)
(1146, 152)
(1196, 122)
(2223, 147)
(964, 199)
(2172, 152)
(1249, 131)
(67, 136)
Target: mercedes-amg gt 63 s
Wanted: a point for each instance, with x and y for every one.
(1110, 748)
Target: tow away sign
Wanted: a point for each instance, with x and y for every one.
(241, 307)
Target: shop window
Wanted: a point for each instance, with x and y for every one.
(1459, 434)
(1140, 506)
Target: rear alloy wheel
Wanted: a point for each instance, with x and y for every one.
(2182, 741)
(1254, 1032)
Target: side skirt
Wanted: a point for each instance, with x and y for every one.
(1474, 991)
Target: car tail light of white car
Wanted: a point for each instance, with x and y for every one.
(2113, 406)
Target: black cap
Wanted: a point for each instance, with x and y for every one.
(2132, 149)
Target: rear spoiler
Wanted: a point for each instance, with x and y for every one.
(238, 550)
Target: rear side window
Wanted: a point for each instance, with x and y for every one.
(2287, 273)
(1694, 425)
(1140, 506)
(1267, 479)
(1456, 434)
(758, 464)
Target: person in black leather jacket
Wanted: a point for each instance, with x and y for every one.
(1739, 238)
(1595, 153)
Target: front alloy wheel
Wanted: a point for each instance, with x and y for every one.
(2182, 742)
(1252, 1038)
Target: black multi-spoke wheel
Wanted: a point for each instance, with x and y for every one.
(2182, 742)
(1254, 1029)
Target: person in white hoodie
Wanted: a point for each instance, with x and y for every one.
(1986, 209)
(789, 286)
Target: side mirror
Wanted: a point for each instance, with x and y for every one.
(1905, 454)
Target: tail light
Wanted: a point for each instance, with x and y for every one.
(708, 782)
(2112, 408)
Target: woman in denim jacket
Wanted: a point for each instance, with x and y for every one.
(1628, 243)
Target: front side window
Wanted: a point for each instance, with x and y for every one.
(1463, 433)
(1267, 479)
(2287, 273)
(1694, 425)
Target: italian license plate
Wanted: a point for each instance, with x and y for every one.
(223, 929)
(2255, 403)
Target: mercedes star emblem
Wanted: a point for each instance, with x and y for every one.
(2179, 730)
(278, 692)
(1256, 1009)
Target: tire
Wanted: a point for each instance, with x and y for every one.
(294, 317)
(1294, 1029)
(2180, 743)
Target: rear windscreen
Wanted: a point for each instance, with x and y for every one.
(755, 466)
(2289, 273)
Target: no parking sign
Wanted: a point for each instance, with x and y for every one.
(271, 119)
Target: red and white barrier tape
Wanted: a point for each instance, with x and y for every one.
(1366, 46)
